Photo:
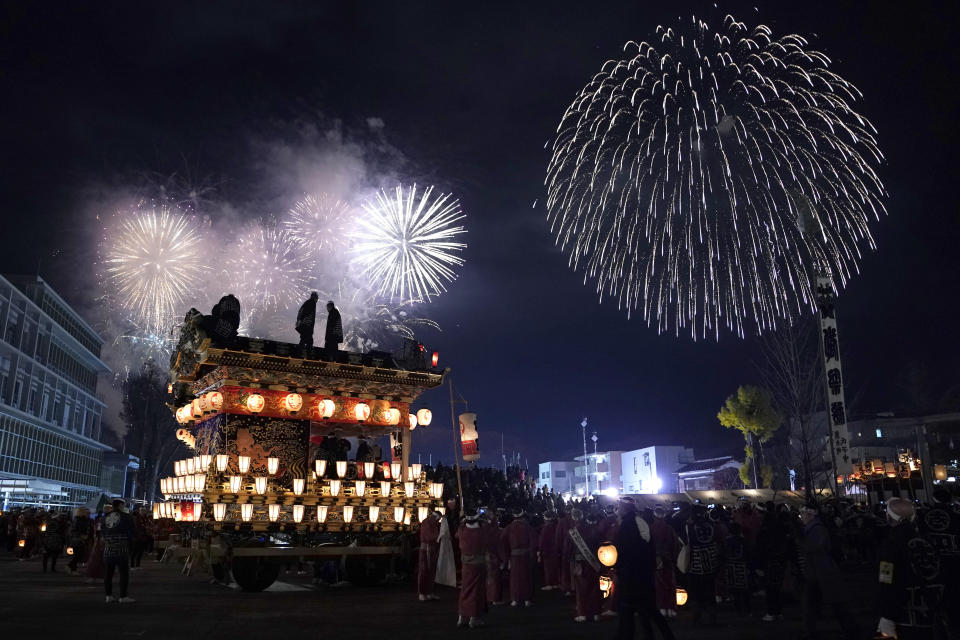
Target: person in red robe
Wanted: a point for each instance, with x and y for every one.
(549, 552)
(429, 551)
(564, 524)
(609, 526)
(516, 539)
(586, 579)
(667, 546)
(496, 561)
(472, 536)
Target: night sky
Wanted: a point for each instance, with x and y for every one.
(468, 94)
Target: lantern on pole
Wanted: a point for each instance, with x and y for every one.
(607, 554)
(424, 416)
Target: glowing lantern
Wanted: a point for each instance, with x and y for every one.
(195, 410)
(940, 472)
(347, 513)
(176, 467)
(681, 597)
(189, 483)
(255, 403)
(182, 416)
(385, 488)
(197, 511)
(395, 471)
(260, 484)
(298, 484)
(435, 358)
(334, 488)
(191, 466)
(222, 461)
(273, 464)
(394, 415)
(298, 513)
(424, 416)
(273, 512)
(341, 468)
(890, 470)
(398, 514)
(607, 554)
(374, 514)
(200, 482)
(321, 466)
(70, 549)
(839, 479)
(322, 513)
(606, 586)
(43, 527)
(293, 402)
(219, 511)
(205, 460)
(21, 543)
(326, 407)
(409, 488)
(215, 400)
(415, 470)
(413, 421)
(235, 482)
(243, 463)
(437, 490)
(246, 512)
(422, 513)
(368, 470)
(406, 519)
(197, 464)
(386, 470)
(360, 487)
(182, 484)
(878, 466)
(362, 411)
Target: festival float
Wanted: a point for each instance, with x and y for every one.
(268, 479)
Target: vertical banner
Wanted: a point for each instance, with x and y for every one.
(469, 438)
(836, 405)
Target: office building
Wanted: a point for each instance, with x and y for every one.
(602, 471)
(653, 469)
(557, 476)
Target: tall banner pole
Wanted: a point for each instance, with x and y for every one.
(833, 377)
(456, 445)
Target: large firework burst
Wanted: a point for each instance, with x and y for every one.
(267, 269)
(152, 264)
(705, 177)
(320, 224)
(406, 243)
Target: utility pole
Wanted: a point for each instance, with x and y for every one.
(586, 466)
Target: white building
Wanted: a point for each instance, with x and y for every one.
(699, 475)
(653, 469)
(602, 474)
(556, 476)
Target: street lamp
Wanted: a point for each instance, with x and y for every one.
(586, 468)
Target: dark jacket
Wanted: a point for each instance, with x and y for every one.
(118, 532)
(307, 316)
(911, 579)
(819, 566)
(334, 331)
(636, 562)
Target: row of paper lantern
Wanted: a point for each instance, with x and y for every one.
(193, 484)
(213, 401)
(401, 515)
(201, 464)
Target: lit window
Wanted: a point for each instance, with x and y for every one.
(879, 433)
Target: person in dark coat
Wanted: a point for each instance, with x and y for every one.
(118, 531)
(773, 549)
(911, 579)
(636, 564)
(334, 333)
(306, 318)
(224, 320)
(706, 558)
(940, 526)
(823, 581)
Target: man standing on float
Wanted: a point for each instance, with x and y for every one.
(334, 334)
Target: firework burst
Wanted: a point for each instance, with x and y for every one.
(705, 177)
(406, 243)
(267, 269)
(152, 264)
(320, 224)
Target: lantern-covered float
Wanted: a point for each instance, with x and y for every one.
(269, 476)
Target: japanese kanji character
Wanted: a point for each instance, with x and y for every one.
(834, 381)
(831, 349)
(837, 413)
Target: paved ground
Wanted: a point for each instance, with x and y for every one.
(34, 605)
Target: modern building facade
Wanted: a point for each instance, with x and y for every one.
(599, 474)
(50, 416)
(557, 476)
(701, 475)
(653, 469)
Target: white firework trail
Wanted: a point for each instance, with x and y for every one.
(320, 224)
(267, 270)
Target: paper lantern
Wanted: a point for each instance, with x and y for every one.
(386, 470)
(368, 470)
(182, 416)
(395, 471)
(255, 402)
(197, 511)
(374, 514)
(361, 411)
(878, 466)
(422, 513)
(322, 513)
(415, 470)
(273, 464)
(406, 519)
(298, 485)
(398, 514)
(435, 358)
(839, 479)
(235, 482)
(21, 543)
(243, 463)
(246, 512)
(436, 490)
(273, 512)
(205, 460)
(413, 421)
(409, 489)
(341, 468)
(189, 483)
(394, 415)
(181, 484)
(176, 467)
(293, 402)
(360, 487)
(70, 549)
(890, 469)
(424, 416)
(215, 400)
(326, 408)
(260, 484)
(298, 513)
(191, 466)
(681, 597)
(43, 527)
(347, 513)
(940, 472)
(222, 461)
(607, 554)
(385, 488)
(200, 482)
(334, 488)
(219, 511)
(321, 466)
(195, 409)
